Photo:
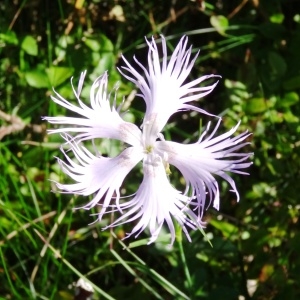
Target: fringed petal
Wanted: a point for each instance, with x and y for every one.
(101, 120)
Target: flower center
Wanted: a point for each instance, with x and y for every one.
(149, 149)
(154, 158)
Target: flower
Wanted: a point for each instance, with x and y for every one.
(157, 201)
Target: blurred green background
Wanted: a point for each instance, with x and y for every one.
(46, 246)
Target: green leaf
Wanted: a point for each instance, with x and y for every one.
(275, 116)
(93, 44)
(289, 99)
(37, 79)
(277, 18)
(220, 23)
(256, 105)
(29, 45)
(105, 63)
(226, 228)
(290, 118)
(292, 83)
(64, 41)
(99, 44)
(9, 37)
(106, 44)
(273, 72)
(277, 64)
(57, 75)
(62, 45)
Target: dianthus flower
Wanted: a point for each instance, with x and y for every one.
(164, 87)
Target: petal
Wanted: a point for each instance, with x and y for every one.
(157, 202)
(200, 162)
(100, 175)
(162, 83)
(101, 120)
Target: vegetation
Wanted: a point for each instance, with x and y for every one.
(46, 245)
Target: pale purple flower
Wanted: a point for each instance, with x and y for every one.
(164, 88)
